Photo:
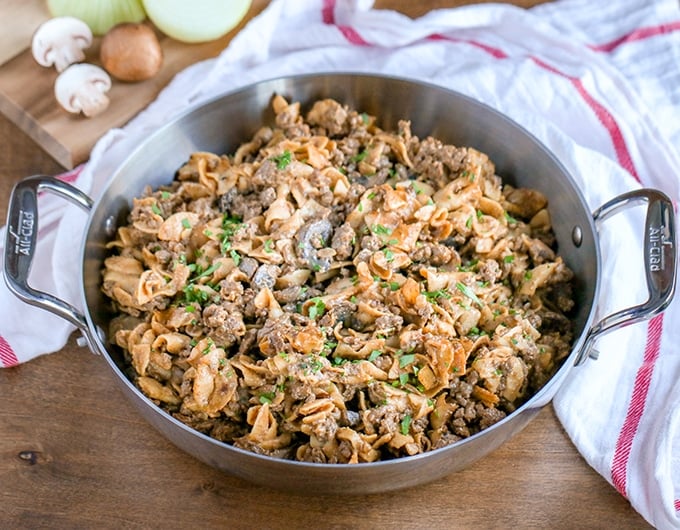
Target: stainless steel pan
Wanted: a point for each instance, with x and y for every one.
(222, 124)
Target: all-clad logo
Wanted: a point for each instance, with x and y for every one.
(657, 255)
(24, 233)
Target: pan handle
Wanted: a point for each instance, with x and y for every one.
(20, 242)
(660, 262)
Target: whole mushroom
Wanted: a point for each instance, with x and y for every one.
(60, 42)
(83, 88)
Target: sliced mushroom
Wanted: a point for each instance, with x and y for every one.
(60, 41)
(82, 88)
(312, 236)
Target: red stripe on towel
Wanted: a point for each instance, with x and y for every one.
(655, 326)
(636, 407)
(72, 175)
(604, 117)
(350, 34)
(637, 35)
(7, 356)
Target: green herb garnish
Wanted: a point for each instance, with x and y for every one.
(359, 156)
(317, 308)
(407, 359)
(433, 296)
(405, 424)
(469, 293)
(283, 159)
(267, 397)
(381, 230)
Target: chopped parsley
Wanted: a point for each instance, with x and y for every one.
(433, 296)
(393, 286)
(405, 424)
(328, 347)
(230, 226)
(359, 156)
(267, 397)
(194, 294)
(283, 159)
(469, 293)
(407, 359)
(208, 271)
(317, 308)
(381, 230)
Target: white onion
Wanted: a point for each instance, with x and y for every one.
(196, 20)
(99, 15)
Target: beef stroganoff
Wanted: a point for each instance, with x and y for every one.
(333, 292)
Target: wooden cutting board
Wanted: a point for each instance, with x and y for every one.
(26, 89)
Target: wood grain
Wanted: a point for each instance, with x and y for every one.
(75, 454)
(27, 97)
(19, 18)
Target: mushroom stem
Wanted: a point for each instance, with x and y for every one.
(82, 88)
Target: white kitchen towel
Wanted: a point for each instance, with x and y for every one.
(597, 82)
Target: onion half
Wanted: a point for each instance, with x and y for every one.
(196, 20)
(99, 15)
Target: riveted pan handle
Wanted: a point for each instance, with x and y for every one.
(660, 261)
(20, 243)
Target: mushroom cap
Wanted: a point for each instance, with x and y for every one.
(60, 41)
(82, 88)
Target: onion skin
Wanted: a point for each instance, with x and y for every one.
(131, 52)
(99, 15)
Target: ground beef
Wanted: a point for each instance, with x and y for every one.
(225, 323)
(343, 241)
(388, 324)
(312, 318)
(330, 116)
(434, 253)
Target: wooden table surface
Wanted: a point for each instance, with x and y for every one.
(74, 453)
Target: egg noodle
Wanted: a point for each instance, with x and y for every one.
(332, 292)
